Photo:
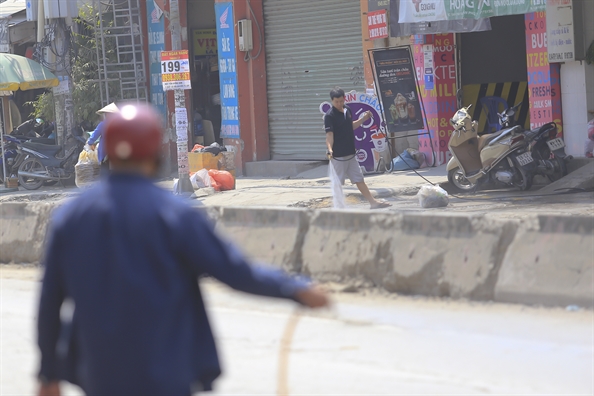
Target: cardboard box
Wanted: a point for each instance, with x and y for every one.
(197, 161)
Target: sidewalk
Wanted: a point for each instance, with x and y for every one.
(314, 185)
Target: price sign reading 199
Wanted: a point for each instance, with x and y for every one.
(171, 66)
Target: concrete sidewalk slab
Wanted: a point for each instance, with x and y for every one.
(582, 178)
(279, 168)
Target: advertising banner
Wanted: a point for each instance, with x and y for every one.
(544, 89)
(175, 70)
(156, 44)
(370, 138)
(227, 70)
(413, 11)
(398, 87)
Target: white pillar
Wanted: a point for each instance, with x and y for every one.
(577, 95)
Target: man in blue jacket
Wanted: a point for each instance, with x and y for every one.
(121, 311)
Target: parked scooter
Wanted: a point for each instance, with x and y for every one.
(40, 163)
(501, 158)
(9, 156)
(548, 151)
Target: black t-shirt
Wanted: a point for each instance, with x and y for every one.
(341, 124)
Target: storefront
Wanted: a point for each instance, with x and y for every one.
(311, 47)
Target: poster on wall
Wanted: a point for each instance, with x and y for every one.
(560, 31)
(227, 70)
(370, 138)
(398, 88)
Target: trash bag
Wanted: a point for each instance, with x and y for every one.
(405, 161)
(200, 179)
(223, 179)
(87, 170)
(433, 197)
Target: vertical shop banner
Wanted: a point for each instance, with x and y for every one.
(560, 30)
(156, 44)
(544, 89)
(377, 24)
(439, 101)
(398, 87)
(428, 69)
(370, 138)
(4, 36)
(204, 42)
(414, 11)
(227, 70)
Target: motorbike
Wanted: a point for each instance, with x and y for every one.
(501, 158)
(40, 163)
(547, 150)
(8, 156)
(36, 129)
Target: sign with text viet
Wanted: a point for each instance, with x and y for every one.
(413, 11)
(377, 24)
(204, 42)
(227, 70)
(560, 30)
(544, 90)
(398, 87)
(175, 70)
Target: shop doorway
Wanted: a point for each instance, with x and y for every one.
(206, 102)
(494, 71)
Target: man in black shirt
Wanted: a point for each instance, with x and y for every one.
(340, 140)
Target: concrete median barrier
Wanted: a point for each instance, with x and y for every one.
(22, 231)
(535, 260)
(444, 255)
(265, 235)
(551, 262)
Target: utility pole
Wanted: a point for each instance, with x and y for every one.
(184, 185)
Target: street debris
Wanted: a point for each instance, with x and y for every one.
(433, 197)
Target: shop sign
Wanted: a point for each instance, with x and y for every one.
(205, 42)
(375, 5)
(560, 30)
(377, 24)
(414, 11)
(4, 37)
(544, 89)
(443, 26)
(227, 70)
(156, 44)
(175, 70)
(370, 137)
(398, 87)
(428, 67)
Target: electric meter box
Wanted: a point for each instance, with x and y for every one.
(244, 32)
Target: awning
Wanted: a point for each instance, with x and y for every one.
(415, 11)
(11, 7)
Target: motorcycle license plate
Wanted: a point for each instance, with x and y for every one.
(524, 159)
(556, 144)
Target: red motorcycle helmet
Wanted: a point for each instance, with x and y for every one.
(135, 133)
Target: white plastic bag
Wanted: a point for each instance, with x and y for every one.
(336, 185)
(433, 197)
(200, 179)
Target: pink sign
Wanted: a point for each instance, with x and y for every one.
(544, 90)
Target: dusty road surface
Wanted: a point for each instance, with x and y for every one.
(369, 344)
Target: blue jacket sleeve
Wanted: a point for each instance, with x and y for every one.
(225, 263)
(96, 133)
(52, 296)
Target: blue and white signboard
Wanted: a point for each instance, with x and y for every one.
(156, 44)
(227, 70)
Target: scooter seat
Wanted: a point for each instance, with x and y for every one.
(45, 149)
(485, 139)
